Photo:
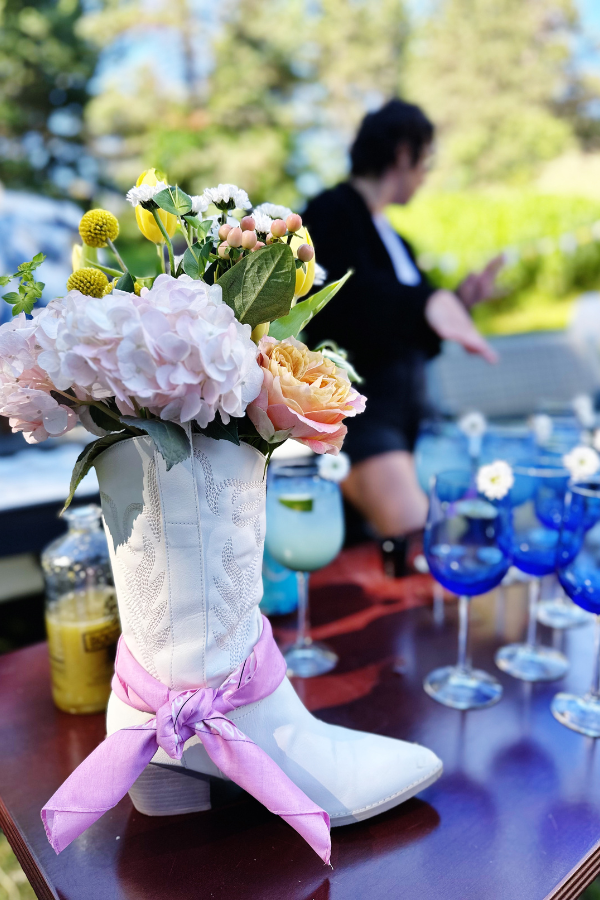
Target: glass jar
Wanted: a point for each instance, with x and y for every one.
(82, 619)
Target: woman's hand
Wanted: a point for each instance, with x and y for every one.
(479, 286)
(450, 320)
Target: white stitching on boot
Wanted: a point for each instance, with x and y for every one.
(240, 597)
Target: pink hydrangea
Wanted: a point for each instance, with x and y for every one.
(24, 387)
(304, 396)
(177, 350)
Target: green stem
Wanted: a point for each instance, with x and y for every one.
(117, 254)
(96, 403)
(161, 256)
(107, 270)
(163, 231)
(184, 229)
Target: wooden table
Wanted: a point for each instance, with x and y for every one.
(516, 815)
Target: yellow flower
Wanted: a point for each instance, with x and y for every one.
(77, 257)
(304, 281)
(89, 281)
(145, 220)
(260, 331)
(109, 287)
(97, 227)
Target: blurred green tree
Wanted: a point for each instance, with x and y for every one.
(498, 78)
(44, 72)
(279, 89)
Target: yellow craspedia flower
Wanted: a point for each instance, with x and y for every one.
(109, 287)
(137, 287)
(145, 219)
(97, 227)
(89, 281)
(304, 280)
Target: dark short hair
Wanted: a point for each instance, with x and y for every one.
(382, 132)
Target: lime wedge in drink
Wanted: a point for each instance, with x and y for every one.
(299, 502)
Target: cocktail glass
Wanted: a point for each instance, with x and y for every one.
(305, 531)
(465, 556)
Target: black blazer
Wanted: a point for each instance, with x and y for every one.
(379, 321)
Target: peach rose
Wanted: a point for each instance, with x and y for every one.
(304, 396)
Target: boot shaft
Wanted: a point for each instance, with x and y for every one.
(186, 549)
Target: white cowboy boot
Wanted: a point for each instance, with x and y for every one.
(186, 549)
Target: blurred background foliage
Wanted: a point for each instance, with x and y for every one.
(268, 94)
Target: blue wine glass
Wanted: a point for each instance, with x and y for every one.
(530, 538)
(305, 531)
(464, 554)
(557, 611)
(578, 567)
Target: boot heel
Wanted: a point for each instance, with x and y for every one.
(161, 791)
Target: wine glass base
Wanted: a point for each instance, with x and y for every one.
(558, 614)
(531, 663)
(463, 689)
(306, 661)
(580, 714)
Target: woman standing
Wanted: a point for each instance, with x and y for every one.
(388, 316)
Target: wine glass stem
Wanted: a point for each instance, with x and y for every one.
(463, 663)
(303, 637)
(595, 687)
(534, 590)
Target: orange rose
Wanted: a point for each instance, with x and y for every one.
(304, 395)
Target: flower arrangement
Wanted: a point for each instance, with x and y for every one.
(209, 345)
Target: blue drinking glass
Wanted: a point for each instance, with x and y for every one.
(578, 567)
(464, 554)
(530, 538)
(440, 445)
(305, 531)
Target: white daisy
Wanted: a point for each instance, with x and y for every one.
(473, 424)
(583, 407)
(581, 462)
(262, 222)
(320, 275)
(542, 426)
(225, 194)
(274, 211)
(334, 468)
(495, 480)
(144, 192)
(199, 204)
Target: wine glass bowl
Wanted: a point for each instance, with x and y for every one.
(305, 531)
(464, 553)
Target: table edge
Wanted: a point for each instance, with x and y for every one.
(26, 857)
(579, 878)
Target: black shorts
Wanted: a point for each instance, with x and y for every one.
(396, 405)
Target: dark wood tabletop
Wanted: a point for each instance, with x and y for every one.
(516, 815)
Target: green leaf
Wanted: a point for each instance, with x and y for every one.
(23, 302)
(191, 265)
(103, 420)
(85, 460)
(173, 200)
(204, 228)
(125, 283)
(171, 440)
(299, 317)
(38, 259)
(192, 220)
(261, 286)
(218, 431)
(12, 297)
(4, 279)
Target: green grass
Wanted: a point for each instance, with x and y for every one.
(13, 883)
(553, 245)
